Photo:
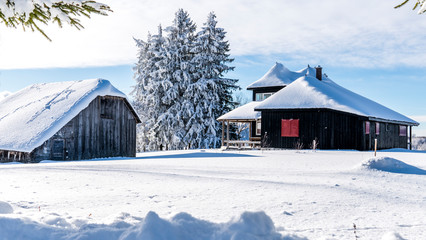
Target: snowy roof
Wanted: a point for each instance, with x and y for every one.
(245, 112)
(279, 75)
(308, 92)
(32, 115)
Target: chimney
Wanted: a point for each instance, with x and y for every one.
(318, 72)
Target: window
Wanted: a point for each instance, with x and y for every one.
(107, 108)
(289, 127)
(258, 127)
(402, 131)
(377, 128)
(266, 95)
(58, 149)
(367, 127)
(262, 96)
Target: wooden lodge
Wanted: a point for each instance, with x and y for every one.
(305, 109)
(67, 121)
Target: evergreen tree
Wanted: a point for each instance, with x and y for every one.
(150, 87)
(180, 89)
(211, 61)
(179, 72)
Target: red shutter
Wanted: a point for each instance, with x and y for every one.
(289, 127)
(285, 127)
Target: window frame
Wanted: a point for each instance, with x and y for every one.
(367, 127)
(402, 131)
(377, 128)
(258, 128)
(262, 96)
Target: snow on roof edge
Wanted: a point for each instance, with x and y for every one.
(244, 112)
(329, 95)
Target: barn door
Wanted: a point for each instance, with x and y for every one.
(58, 149)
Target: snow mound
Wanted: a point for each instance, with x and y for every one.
(392, 236)
(388, 164)
(5, 208)
(249, 226)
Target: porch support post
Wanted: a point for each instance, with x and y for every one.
(411, 137)
(250, 126)
(227, 133)
(223, 133)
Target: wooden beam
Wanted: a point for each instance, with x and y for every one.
(227, 133)
(223, 133)
(411, 137)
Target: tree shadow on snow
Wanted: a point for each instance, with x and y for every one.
(198, 155)
(402, 150)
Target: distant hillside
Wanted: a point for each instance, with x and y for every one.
(419, 143)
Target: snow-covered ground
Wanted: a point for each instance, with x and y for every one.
(218, 195)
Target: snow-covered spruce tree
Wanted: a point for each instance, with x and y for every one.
(180, 87)
(150, 87)
(30, 13)
(210, 92)
(179, 72)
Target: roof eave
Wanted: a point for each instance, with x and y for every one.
(369, 117)
(393, 121)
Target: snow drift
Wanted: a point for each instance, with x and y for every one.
(5, 208)
(388, 164)
(249, 226)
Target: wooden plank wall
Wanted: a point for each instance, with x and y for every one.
(388, 136)
(332, 129)
(106, 128)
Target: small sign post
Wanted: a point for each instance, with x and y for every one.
(375, 146)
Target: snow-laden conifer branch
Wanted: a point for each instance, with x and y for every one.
(31, 13)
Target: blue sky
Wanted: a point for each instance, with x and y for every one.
(365, 46)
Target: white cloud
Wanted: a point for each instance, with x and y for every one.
(419, 118)
(367, 33)
(421, 129)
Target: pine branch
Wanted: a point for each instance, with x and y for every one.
(402, 4)
(42, 13)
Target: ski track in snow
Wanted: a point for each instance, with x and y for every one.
(318, 195)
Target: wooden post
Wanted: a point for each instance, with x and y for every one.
(227, 133)
(250, 126)
(411, 138)
(223, 133)
(375, 146)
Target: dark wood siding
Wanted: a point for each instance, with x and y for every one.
(388, 136)
(332, 129)
(106, 128)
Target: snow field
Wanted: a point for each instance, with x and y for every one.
(193, 194)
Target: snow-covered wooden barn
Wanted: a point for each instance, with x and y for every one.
(67, 121)
(309, 106)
